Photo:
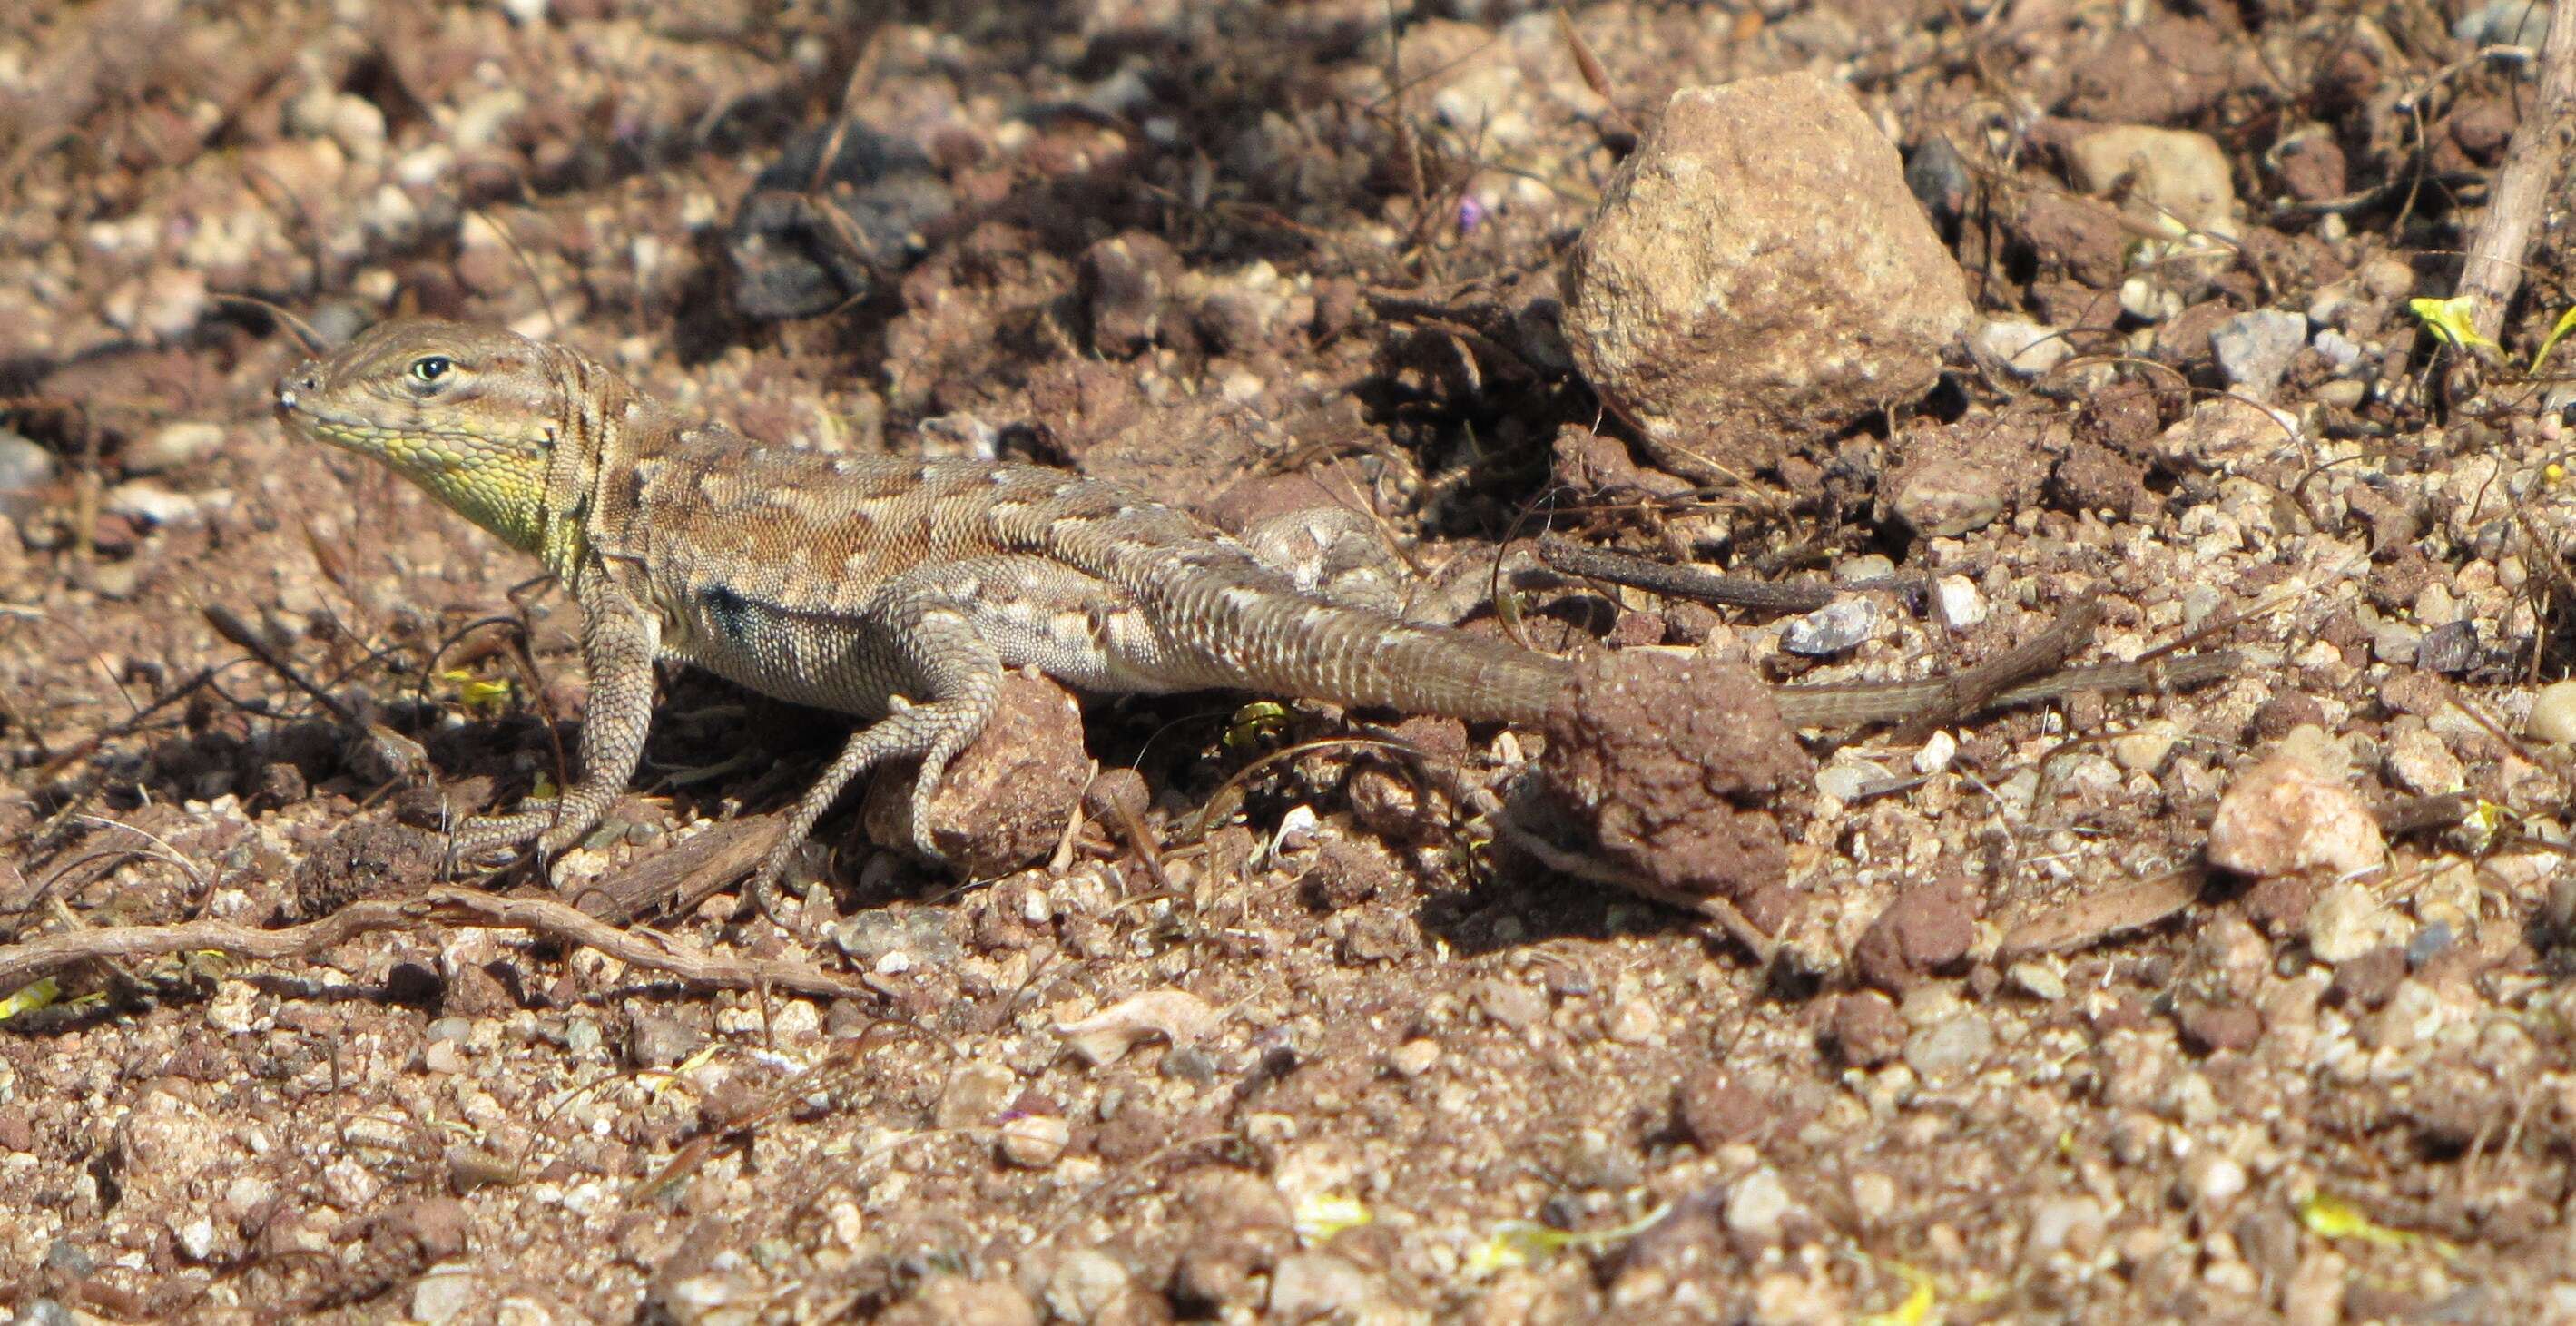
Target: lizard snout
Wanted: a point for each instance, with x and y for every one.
(304, 380)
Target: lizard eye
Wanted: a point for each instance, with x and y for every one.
(431, 368)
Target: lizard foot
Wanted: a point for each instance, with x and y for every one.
(495, 843)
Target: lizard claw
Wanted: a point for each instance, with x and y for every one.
(481, 861)
(925, 844)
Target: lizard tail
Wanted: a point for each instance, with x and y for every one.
(1296, 644)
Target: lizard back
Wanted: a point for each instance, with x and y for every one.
(767, 563)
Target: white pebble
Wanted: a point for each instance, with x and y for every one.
(2025, 348)
(2553, 713)
(2347, 922)
(2285, 815)
(1756, 1204)
(1962, 605)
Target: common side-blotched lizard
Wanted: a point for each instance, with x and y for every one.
(899, 589)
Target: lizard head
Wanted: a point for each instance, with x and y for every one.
(471, 414)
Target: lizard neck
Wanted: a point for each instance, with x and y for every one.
(593, 436)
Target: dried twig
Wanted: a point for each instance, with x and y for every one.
(679, 879)
(2533, 164)
(239, 632)
(1688, 582)
(445, 906)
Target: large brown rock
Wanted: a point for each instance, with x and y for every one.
(1759, 276)
(1673, 764)
(1005, 799)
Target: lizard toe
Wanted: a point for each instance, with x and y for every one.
(486, 860)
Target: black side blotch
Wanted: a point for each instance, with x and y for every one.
(727, 609)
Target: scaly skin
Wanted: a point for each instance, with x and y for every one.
(896, 589)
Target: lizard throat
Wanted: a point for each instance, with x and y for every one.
(497, 484)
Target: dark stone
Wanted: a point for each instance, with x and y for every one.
(1866, 1029)
(2210, 1028)
(798, 249)
(1925, 930)
(2367, 982)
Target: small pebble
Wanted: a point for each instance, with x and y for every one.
(2417, 761)
(2428, 944)
(2393, 277)
(2143, 749)
(152, 506)
(1755, 1205)
(1873, 1196)
(1831, 629)
(2341, 351)
(1510, 1003)
(1946, 498)
(1088, 1285)
(2143, 299)
(2285, 815)
(197, 1238)
(658, 1040)
(1936, 753)
(444, 1294)
(2503, 23)
(2212, 1180)
(1632, 1022)
(1962, 604)
(1316, 1286)
(1954, 1045)
(2059, 1224)
(1414, 1057)
(24, 466)
(2449, 649)
(2346, 923)
(1939, 178)
(920, 934)
(1864, 568)
(2025, 348)
(2553, 714)
(1035, 1141)
(975, 1095)
(171, 446)
(2255, 349)
(2170, 175)
(2040, 980)
(1848, 776)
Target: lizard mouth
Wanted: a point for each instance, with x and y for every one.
(296, 406)
(331, 426)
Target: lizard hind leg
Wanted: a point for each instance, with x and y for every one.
(948, 661)
(1335, 553)
(1340, 555)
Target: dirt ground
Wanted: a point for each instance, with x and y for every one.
(2022, 1053)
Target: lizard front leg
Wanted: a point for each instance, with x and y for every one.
(618, 640)
(935, 652)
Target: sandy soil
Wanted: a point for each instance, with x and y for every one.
(2022, 1055)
